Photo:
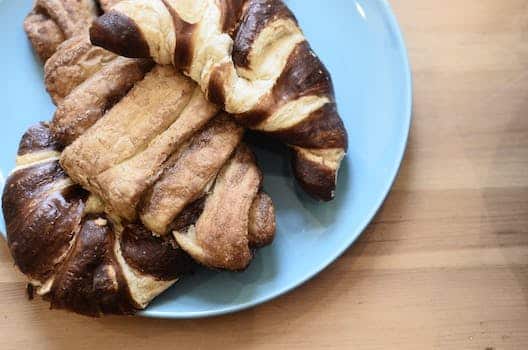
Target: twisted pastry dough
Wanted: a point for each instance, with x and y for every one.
(156, 151)
(249, 57)
(73, 254)
(84, 257)
(53, 21)
(84, 260)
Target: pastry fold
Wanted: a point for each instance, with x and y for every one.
(220, 237)
(53, 21)
(134, 156)
(162, 148)
(250, 58)
(91, 99)
(74, 254)
(73, 62)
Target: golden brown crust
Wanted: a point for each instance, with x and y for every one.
(144, 113)
(43, 33)
(71, 16)
(89, 101)
(185, 181)
(123, 154)
(123, 185)
(53, 21)
(73, 62)
(261, 221)
(71, 257)
(220, 238)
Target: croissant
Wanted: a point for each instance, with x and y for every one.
(187, 166)
(163, 148)
(157, 150)
(53, 21)
(81, 259)
(250, 58)
(71, 251)
(220, 235)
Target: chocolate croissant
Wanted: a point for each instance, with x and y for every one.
(250, 58)
(81, 259)
(71, 251)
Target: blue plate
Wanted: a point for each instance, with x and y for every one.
(361, 44)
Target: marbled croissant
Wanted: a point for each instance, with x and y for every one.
(250, 58)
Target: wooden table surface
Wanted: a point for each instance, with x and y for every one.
(445, 263)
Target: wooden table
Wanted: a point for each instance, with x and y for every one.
(445, 263)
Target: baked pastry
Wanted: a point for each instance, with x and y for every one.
(72, 252)
(53, 21)
(92, 92)
(162, 148)
(123, 154)
(250, 58)
(82, 259)
(156, 151)
(73, 62)
(153, 162)
(220, 236)
(58, 31)
(153, 153)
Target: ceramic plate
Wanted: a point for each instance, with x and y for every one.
(361, 45)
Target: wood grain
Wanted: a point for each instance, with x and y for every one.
(445, 263)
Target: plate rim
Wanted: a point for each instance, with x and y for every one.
(395, 28)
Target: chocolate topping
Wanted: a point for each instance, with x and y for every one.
(37, 138)
(130, 42)
(160, 257)
(183, 53)
(256, 17)
(90, 280)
